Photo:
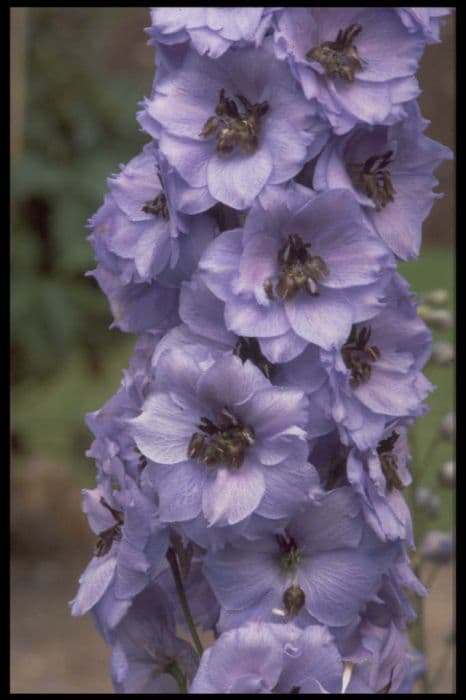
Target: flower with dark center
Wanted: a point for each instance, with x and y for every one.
(229, 441)
(249, 349)
(358, 355)
(243, 126)
(373, 179)
(260, 272)
(326, 565)
(108, 536)
(298, 270)
(389, 170)
(139, 238)
(340, 57)
(157, 207)
(389, 463)
(204, 411)
(379, 476)
(233, 128)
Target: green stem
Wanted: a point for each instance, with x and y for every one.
(172, 560)
(174, 670)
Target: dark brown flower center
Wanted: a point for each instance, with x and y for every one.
(359, 356)
(223, 444)
(157, 207)
(339, 58)
(298, 270)
(373, 179)
(389, 463)
(249, 349)
(108, 536)
(233, 127)
(293, 600)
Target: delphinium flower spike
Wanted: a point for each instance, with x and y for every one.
(252, 467)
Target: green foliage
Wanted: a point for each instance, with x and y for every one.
(79, 125)
(434, 269)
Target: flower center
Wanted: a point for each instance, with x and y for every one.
(289, 555)
(298, 270)
(249, 349)
(233, 127)
(108, 536)
(388, 462)
(373, 179)
(158, 205)
(359, 356)
(223, 444)
(340, 57)
(293, 599)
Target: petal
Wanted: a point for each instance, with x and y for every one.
(180, 492)
(332, 523)
(368, 102)
(325, 320)
(203, 312)
(287, 486)
(236, 180)
(283, 348)
(229, 382)
(389, 393)
(337, 584)
(241, 578)
(383, 36)
(190, 158)
(232, 496)
(93, 583)
(219, 263)
(248, 318)
(274, 409)
(163, 430)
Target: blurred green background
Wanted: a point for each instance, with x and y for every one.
(77, 77)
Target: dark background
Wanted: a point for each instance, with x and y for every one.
(77, 75)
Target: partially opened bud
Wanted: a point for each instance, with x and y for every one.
(447, 474)
(443, 353)
(438, 547)
(428, 502)
(437, 297)
(448, 426)
(438, 319)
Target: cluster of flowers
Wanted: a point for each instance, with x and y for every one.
(251, 465)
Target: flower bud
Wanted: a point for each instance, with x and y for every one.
(443, 353)
(427, 501)
(447, 475)
(438, 319)
(437, 297)
(438, 547)
(448, 426)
